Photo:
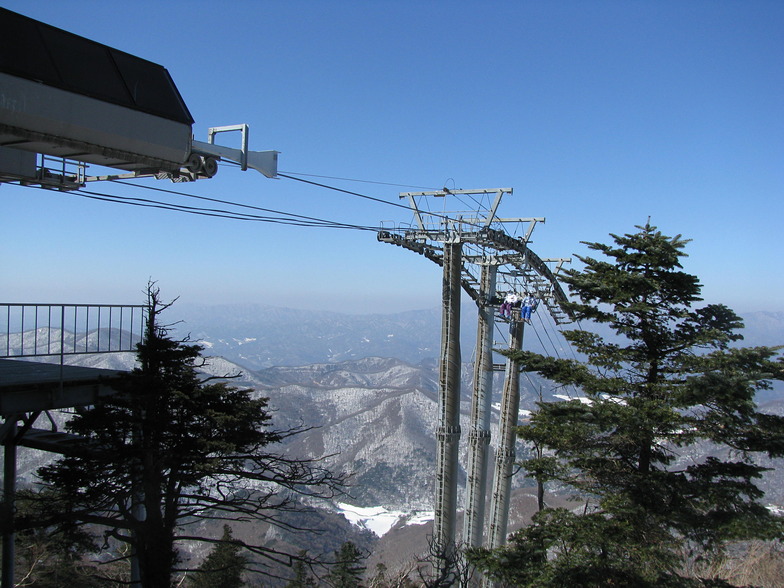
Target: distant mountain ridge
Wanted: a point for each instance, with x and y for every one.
(258, 336)
(763, 328)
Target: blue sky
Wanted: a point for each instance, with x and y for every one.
(598, 114)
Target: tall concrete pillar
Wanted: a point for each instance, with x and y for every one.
(448, 433)
(479, 435)
(507, 437)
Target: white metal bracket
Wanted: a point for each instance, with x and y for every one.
(265, 162)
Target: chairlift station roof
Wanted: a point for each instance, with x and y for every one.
(68, 96)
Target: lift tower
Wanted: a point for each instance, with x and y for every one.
(507, 436)
(479, 433)
(467, 242)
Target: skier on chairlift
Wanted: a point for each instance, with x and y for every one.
(529, 305)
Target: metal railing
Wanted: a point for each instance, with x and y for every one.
(32, 330)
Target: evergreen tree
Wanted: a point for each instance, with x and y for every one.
(379, 580)
(224, 565)
(173, 445)
(47, 560)
(348, 569)
(668, 382)
(301, 579)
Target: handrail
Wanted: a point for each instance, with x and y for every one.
(44, 329)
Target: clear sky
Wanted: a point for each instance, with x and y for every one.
(599, 114)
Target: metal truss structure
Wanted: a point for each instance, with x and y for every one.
(487, 257)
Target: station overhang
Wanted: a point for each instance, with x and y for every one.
(43, 119)
(67, 96)
(28, 386)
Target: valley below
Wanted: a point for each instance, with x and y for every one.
(364, 391)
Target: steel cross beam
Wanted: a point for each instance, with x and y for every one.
(418, 214)
(518, 260)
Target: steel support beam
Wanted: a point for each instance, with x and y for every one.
(479, 435)
(507, 436)
(448, 433)
(9, 506)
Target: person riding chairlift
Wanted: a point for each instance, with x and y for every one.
(529, 305)
(511, 300)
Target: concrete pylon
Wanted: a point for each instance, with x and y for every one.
(479, 435)
(448, 433)
(507, 436)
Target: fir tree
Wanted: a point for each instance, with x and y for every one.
(348, 570)
(172, 445)
(668, 382)
(223, 566)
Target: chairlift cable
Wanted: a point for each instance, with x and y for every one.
(148, 203)
(547, 334)
(361, 181)
(336, 189)
(372, 198)
(164, 206)
(318, 184)
(229, 202)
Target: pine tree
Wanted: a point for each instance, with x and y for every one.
(348, 570)
(223, 566)
(301, 579)
(667, 383)
(171, 445)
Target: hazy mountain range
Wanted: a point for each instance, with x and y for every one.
(367, 386)
(258, 336)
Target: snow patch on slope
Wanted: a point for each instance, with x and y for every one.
(380, 520)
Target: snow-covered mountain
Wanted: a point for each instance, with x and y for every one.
(259, 336)
(366, 389)
(374, 417)
(375, 413)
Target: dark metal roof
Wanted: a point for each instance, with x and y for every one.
(36, 51)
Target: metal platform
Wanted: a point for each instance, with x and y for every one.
(27, 386)
(67, 101)
(27, 389)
